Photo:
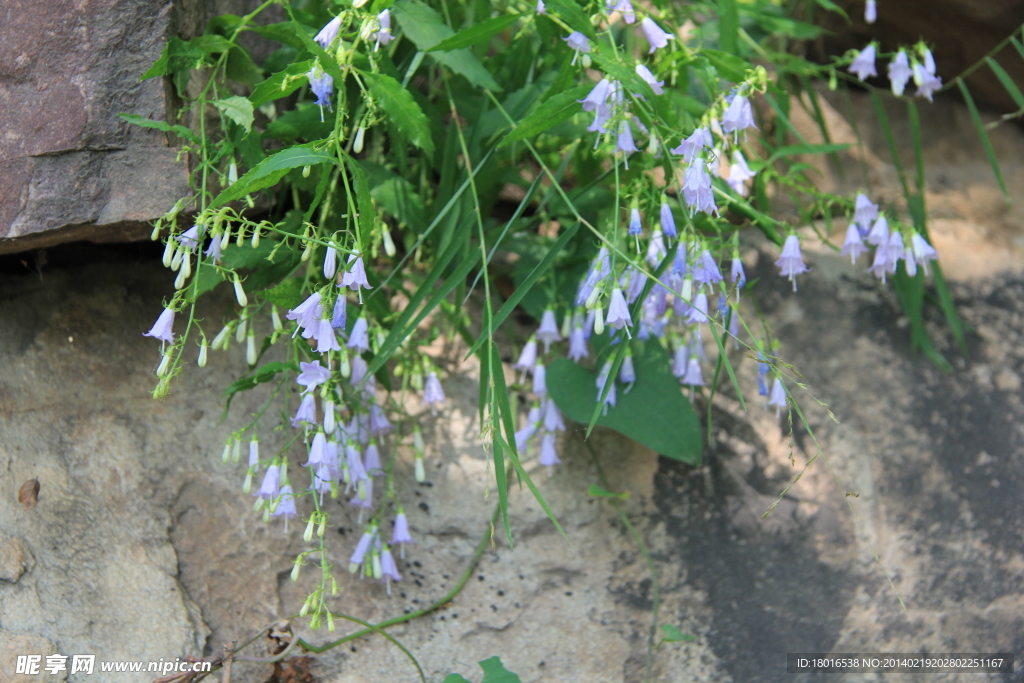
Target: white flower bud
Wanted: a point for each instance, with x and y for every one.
(236, 451)
(225, 239)
(165, 363)
(232, 173)
(330, 623)
(203, 346)
(592, 298)
(168, 253)
(241, 237)
(307, 251)
(307, 536)
(240, 293)
(255, 238)
(322, 528)
(417, 441)
(250, 348)
(155, 235)
(240, 330)
(181, 279)
(389, 245)
(176, 259)
(598, 320)
(378, 571)
(357, 144)
(421, 473)
(329, 416)
(566, 330)
(295, 570)
(247, 485)
(275, 319)
(305, 607)
(586, 61)
(226, 457)
(305, 171)
(222, 337)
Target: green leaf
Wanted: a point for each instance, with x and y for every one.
(402, 110)
(264, 374)
(177, 55)
(238, 109)
(983, 134)
(550, 113)
(425, 28)
(476, 34)
(396, 195)
(598, 492)
(160, 125)
(287, 294)
(270, 170)
(571, 14)
(654, 412)
(728, 25)
(625, 75)
(302, 123)
(729, 66)
(674, 635)
(281, 84)
(455, 678)
(495, 672)
(1007, 82)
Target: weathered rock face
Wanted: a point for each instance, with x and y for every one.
(961, 32)
(70, 168)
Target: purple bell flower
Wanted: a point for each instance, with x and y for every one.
(359, 368)
(317, 451)
(163, 327)
(698, 312)
(548, 455)
(791, 262)
(354, 463)
(705, 271)
(896, 251)
(312, 375)
(360, 337)
(379, 422)
(401, 532)
(691, 147)
(433, 394)
(654, 34)
(739, 173)
(763, 368)
(697, 190)
(627, 374)
(330, 262)
(879, 234)
(362, 547)
(624, 141)
(383, 35)
(371, 460)
(597, 95)
(271, 486)
(618, 312)
(527, 358)
(927, 83)
(579, 43)
(285, 505)
(680, 358)
(326, 340)
(693, 377)
(645, 73)
(340, 315)
(190, 238)
(541, 7)
(553, 417)
(356, 277)
(777, 396)
(548, 330)
(306, 314)
(863, 64)
(864, 213)
(668, 221)
(578, 343)
(923, 252)
(540, 375)
(328, 33)
(899, 72)
(306, 412)
(635, 227)
(853, 246)
(388, 568)
(322, 85)
(738, 116)
(737, 275)
(870, 11)
(213, 251)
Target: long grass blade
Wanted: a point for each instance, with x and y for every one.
(985, 142)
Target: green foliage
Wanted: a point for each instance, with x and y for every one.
(494, 672)
(653, 412)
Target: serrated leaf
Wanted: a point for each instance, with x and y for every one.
(626, 76)
(364, 202)
(425, 28)
(238, 109)
(550, 113)
(281, 84)
(729, 66)
(286, 295)
(272, 169)
(401, 110)
(653, 413)
(160, 125)
(477, 33)
(265, 373)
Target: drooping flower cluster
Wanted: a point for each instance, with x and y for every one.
(872, 227)
(901, 70)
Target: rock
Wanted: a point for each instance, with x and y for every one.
(15, 560)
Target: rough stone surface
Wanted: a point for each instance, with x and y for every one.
(145, 547)
(66, 159)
